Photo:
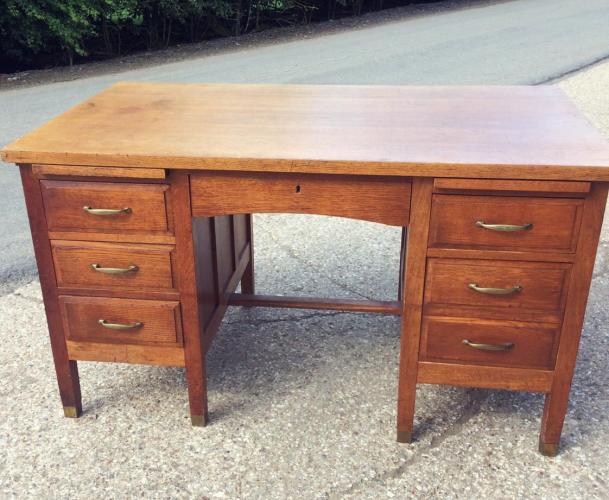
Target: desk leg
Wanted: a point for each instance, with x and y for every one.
(194, 351)
(66, 370)
(247, 281)
(557, 400)
(413, 279)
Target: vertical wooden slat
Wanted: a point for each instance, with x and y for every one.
(224, 251)
(402, 257)
(207, 279)
(67, 370)
(557, 400)
(247, 281)
(240, 235)
(194, 353)
(233, 239)
(412, 301)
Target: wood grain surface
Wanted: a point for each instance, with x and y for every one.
(74, 260)
(66, 368)
(532, 343)
(42, 171)
(64, 202)
(412, 304)
(557, 399)
(555, 222)
(290, 302)
(475, 132)
(376, 199)
(161, 322)
(165, 355)
(541, 297)
(511, 187)
(489, 377)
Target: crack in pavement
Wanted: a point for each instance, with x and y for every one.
(572, 71)
(476, 398)
(25, 297)
(292, 253)
(258, 322)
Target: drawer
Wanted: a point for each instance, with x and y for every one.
(82, 264)
(529, 345)
(529, 291)
(126, 321)
(367, 197)
(105, 206)
(552, 224)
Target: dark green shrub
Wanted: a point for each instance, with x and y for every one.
(35, 33)
(32, 27)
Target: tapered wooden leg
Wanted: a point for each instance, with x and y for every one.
(197, 394)
(69, 389)
(247, 281)
(67, 376)
(407, 387)
(554, 412)
(557, 400)
(194, 350)
(412, 303)
(65, 369)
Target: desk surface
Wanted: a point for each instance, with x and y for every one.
(494, 132)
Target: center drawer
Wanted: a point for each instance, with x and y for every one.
(494, 289)
(488, 342)
(505, 223)
(84, 264)
(125, 321)
(367, 197)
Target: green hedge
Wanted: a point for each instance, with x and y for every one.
(35, 33)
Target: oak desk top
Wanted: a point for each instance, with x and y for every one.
(492, 132)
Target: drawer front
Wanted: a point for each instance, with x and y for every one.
(551, 224)
(372, 198)
(139, 321)
(111, 207)
(111, 265)
(529, 345)
(496, 289)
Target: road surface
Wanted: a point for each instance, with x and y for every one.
(510, 42)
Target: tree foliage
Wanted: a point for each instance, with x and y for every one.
(49, 32)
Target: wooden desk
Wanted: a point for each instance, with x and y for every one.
(140, 198)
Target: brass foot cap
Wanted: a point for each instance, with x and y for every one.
(404, 437)
(548, 449)
(199, 420)
(71, 412)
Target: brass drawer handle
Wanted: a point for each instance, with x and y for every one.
(115, 270)
(504, 227)
(489, 347)
(120, 326)
(495, 291)
(107, 211)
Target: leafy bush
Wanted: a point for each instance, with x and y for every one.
(31, 27)
(37, 33)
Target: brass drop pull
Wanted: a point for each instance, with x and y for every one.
(495, 291)
(489, 347)
(503, 227)
(115, 270)
(120, 326)
(107, 211)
